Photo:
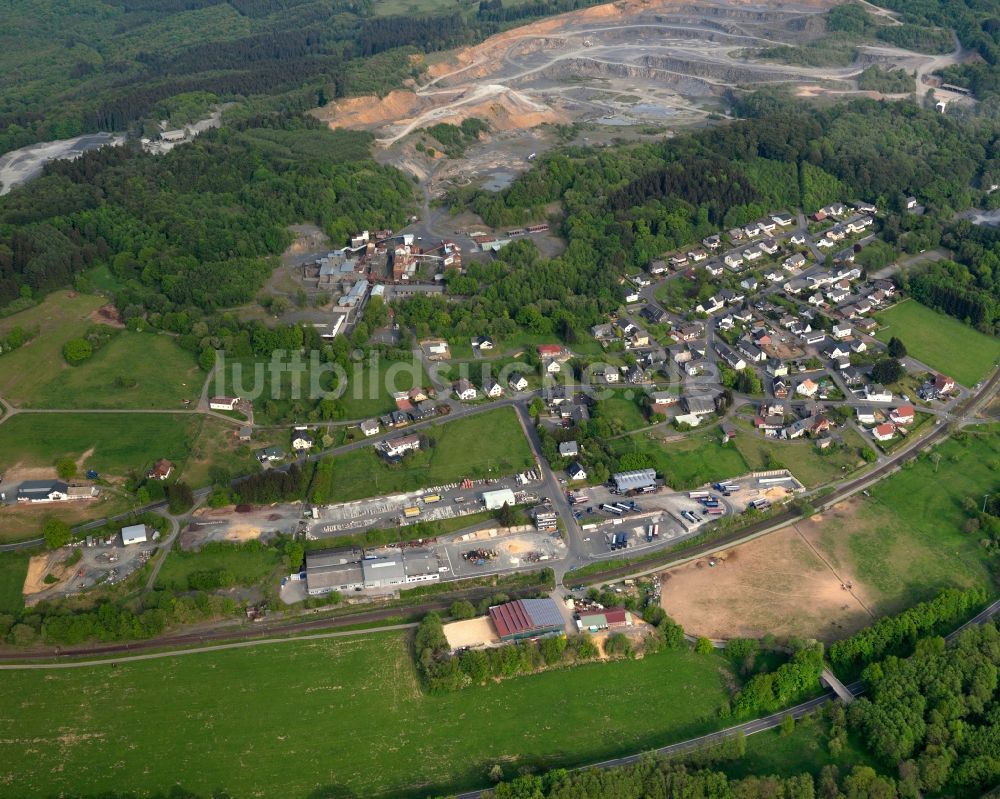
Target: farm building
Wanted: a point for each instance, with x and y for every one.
(609, 619)
(134, 534)
(526, 618)
(635, 480)
(497, 499)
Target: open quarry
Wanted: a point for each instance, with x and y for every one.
(618, 64)
(627, 69)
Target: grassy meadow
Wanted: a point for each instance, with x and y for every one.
(13, 570)
(940, 341)
(111, 443)
(331, 718)
(490, 443)
(801, 457)
(905, 542)
(698, 458)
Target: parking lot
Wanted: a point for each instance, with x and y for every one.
(677, 515)
(431, 504)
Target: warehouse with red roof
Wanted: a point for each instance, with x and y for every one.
(526, 618)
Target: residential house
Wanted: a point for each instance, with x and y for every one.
(807, 388)
(695, 367)
(370, 427)
(794, 286)
(838, 351)
(903, 415)
(782, 220)
(576, 471)
(865, 414)
(779, 387)
(634, 374)
(43, 491)
(714, 268)
(492, 389)
(884, 431)
(911, 203)
(726, 322)
(270, 454)
(752, 230)
(854, 376)
(464, 390)
(603, 332)
(709, 306)
(751, 351)
(749, 283)
(396, 447)
(551, 367)
(660, 401)
(858, 346)
(797, 239)
(517, 382)
(815, 299)
(773, 421)
(767, 226)
(690, 331)
(550, 350)
(658, 267)
(611, 374)
(245, 433)
(837, 294)
(769, 246)
(699, 405)
(943, 384)
(653, 314)
(775, 368)
(813, 425)
(774, 276)
(732, 260)
(752, 253)
(841, 330)
(876, 392)
(814, 337)
(485, 343)
(793, 262)
(713, 242)
(568, 449)
(697, 256)
(302, 441)
(731, 296)
(678, 261)
(161, 470)
(824, 243)
(732, 359)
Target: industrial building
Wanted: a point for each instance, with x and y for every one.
(134, 534)
(497, 499)
(345, 570)
(526, 618)
(637, 480)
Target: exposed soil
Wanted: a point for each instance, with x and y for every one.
(39, 566)
(785, 583)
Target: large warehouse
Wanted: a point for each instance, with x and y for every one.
(344, 570)
(526, 618)
(634, 481)
(497, 499)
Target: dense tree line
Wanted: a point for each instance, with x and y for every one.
(897, 635)
(273, 485)
(936, 715)
(168, 227)
(791, 682)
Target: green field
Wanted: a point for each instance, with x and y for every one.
(801, 457)
(13, 570)
(134, 370)
(940, 341)
(248, 565)
(368, 388)
(216, 446)
(697, 459)
(334, 718)
(906, 541)
(621, 413)
(486, 444)
(120, 441)
(28, 370)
